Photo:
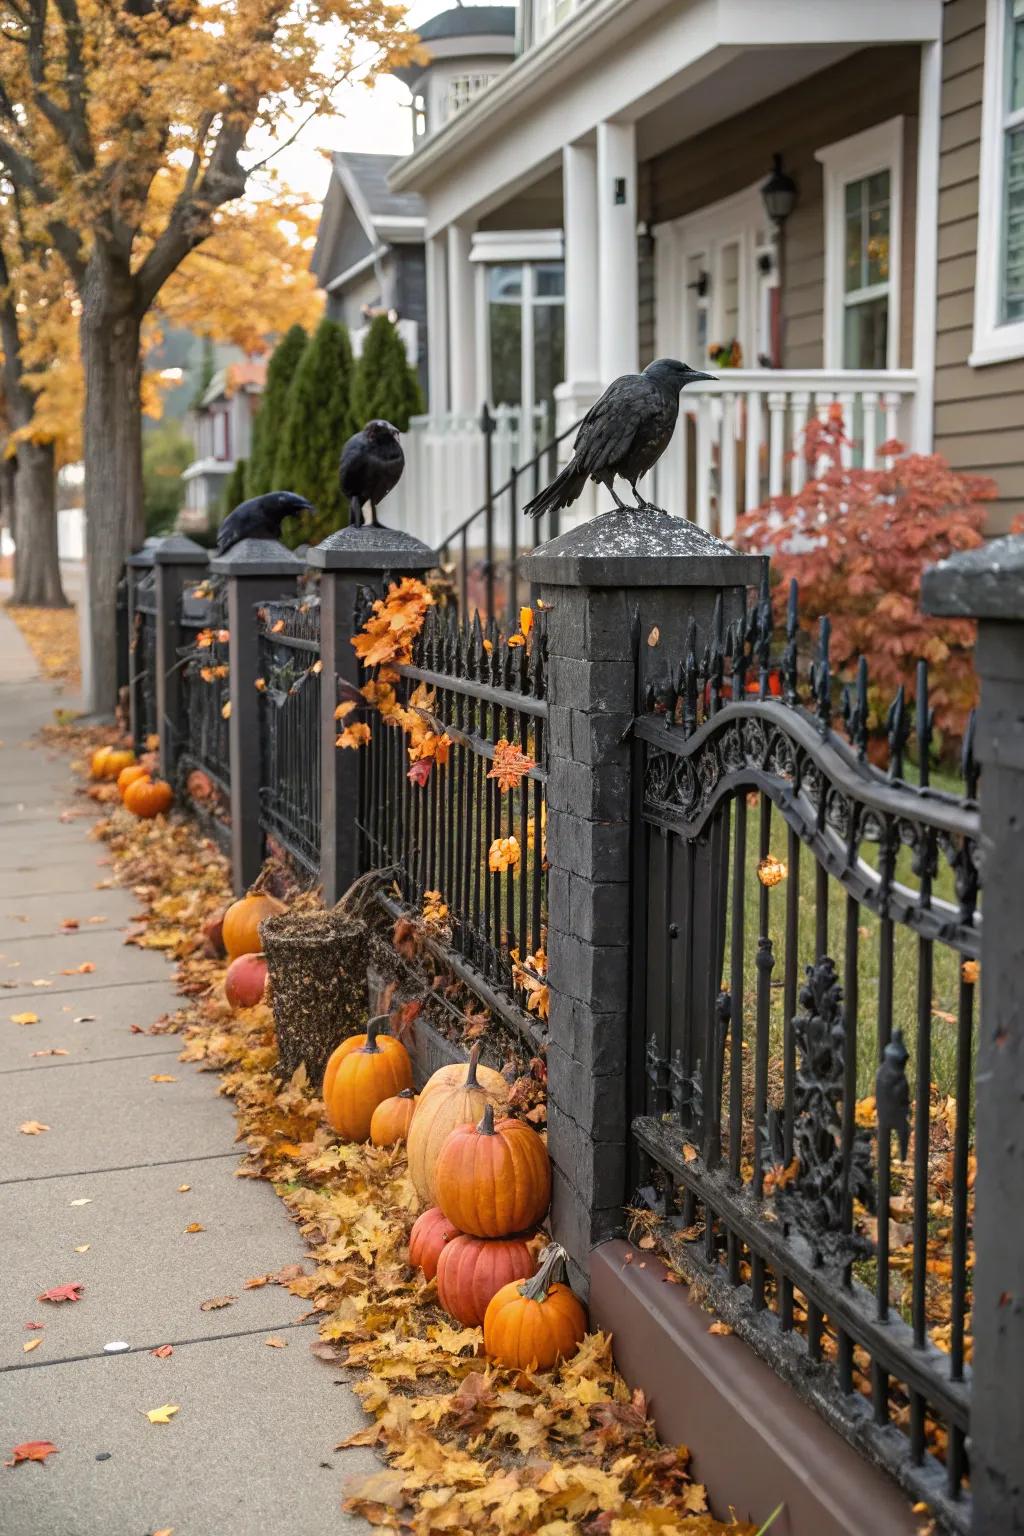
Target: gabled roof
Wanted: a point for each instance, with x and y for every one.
(359, 183)
(250, 375)
(370, 175)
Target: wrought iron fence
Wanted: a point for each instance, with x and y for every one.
(289, 737)
(808, 930)
(468, 852)
(204, 762)
(143, 668)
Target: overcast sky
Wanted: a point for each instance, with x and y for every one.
(375, 120)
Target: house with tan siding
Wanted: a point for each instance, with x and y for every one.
(601, 193)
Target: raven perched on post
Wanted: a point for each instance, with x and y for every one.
(259, 518)
(371, 465)
(624, 433)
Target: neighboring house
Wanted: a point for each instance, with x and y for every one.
(602, 201)
(369, 253)
(222, 432)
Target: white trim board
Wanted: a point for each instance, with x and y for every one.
(862, 154)
(992, 342)
(514, 245)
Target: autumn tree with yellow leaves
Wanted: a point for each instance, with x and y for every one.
(124, 127)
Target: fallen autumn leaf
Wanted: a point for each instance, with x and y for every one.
(276, 1343)
(32, 1450)
(164, 1414)
(32, 1127)
(24, 1018)
(31, 1344)
(162, 1351)
(215, 1302)
(162, 1077)
(72, 1292)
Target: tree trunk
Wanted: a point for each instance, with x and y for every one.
(36, 566)
(113, 463)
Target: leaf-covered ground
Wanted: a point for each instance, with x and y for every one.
(465, 1446)
(52, 635)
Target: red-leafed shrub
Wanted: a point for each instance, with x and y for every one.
(857, 541)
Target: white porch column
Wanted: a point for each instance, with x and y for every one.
(579, 194)
(618, 287)
(437, 325)
(461, 311)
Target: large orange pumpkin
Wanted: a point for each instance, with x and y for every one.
(429, 1234)
(444, 1105)
(241, 931)
(391, 1119)
(148, 797)
(470, 1270)
(536, 1322)
(493, 1179)
(129, 775)
(376, 1071)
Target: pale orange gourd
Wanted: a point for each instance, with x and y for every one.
(148, 797)
(392, 1118)
(472, 1270)
(536, 1322)
(241, 931)
(366, 1077)
(444, 1105)
(493, 1179)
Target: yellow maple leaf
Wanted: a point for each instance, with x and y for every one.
(24, 1018)
(32, 1127)
(164, 1414)
(503, 854)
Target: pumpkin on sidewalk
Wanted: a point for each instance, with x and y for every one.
(377, 1070)
(535, 1322)
(493, 1178)
(430, 1232)
(454, 1096)
(147, 798)
(241, 928)
(129, 775)
(471, 1270)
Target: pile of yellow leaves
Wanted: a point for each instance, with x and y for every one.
(467, 1446)
(52, 635)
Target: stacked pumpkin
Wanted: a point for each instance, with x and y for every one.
(238, 932)
(143, 795)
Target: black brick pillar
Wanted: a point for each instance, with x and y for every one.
(608, 584)
(988, 584)
(348, 561)
(258, 571)
(177, 560)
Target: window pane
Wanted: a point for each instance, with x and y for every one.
(867, 231)
(504, 284)
(1013, 229)
(866, 334)
(878, 245)
(853, 277)
(506, 332)
(548, 350)
(550, 280)
(1015, 57)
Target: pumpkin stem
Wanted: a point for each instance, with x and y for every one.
(552, 1269)
(407, 1093)
(474, 1057)
(486, 1125)
(373, 1029)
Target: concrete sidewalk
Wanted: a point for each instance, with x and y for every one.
(96, 1200)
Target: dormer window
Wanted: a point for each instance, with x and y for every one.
(463, 88)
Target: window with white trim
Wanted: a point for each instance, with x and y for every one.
(862, 236)
(999, 287)
(463, 88)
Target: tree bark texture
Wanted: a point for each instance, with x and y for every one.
(36, 565)
(111, 360)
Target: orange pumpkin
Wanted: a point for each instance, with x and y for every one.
(429, 1234)
(536, 1322)
(366, 1077)
(470, 1270)
(445, 1103)
(129, 775)
(116, 759)
(148, 797)
(348, 1045)
(241, 931)
(391, 1119)
(493, 1179)
(98, 762)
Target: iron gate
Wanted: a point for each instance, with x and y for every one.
(806, 939)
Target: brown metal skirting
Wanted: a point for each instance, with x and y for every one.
(755, 1445)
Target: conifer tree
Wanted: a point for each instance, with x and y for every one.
(266, 430)
(317, 423)
(384, 385)
(235, 488)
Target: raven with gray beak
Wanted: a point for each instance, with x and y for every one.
(259, 518)
(623, 434)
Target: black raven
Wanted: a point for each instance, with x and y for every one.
(259, 518)
(624, 433)
(371, 465)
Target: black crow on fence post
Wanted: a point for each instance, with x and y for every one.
(371, 466)
(260, 518)
(624, 434)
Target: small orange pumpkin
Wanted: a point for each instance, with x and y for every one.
(348, 1045)
(536, 1322)
(98, 762)
(470, 1270)
(429, 1234)
(493, 1179)
(241, 930)
(116, 759)
(149, 797)
(129, 775)
(366, 1077)
(391, 1119)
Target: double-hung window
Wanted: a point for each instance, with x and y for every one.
(999, 288)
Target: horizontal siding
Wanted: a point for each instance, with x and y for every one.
(979, 412)
(868, 88)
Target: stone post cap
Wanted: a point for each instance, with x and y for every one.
(371, 549)
(634, 548)
(256, 557)
(179, 549)
(982, 583)
(143, 558)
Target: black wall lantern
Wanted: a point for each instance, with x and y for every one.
(779, 193)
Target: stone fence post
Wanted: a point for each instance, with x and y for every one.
(614, 586)
(177, 560)
(348, 561)
(987, 584)
(137, 566)
(258, 571)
